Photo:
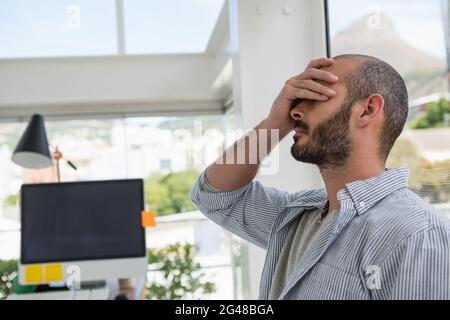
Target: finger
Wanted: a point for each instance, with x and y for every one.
(312, 86)
(321, 62)
(310, 95)
(317, 74)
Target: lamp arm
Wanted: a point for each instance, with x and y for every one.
(70, 163)
(60, 156)
(57, 155)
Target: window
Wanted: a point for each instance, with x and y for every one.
(410, 35)
(49, 28)
(167, 152)
(63, 28)
(169, 26)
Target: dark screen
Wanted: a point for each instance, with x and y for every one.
(82, 221)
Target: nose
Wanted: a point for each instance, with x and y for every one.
(296, 113)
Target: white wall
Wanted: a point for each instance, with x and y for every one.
(271, 41)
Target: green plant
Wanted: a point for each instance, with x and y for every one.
(10, 201)
(181, 275)
(170, 193)
(8, 270)
(435, 113)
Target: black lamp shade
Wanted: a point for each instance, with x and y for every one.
(32, 150)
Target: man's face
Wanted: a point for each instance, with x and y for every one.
(322, 128)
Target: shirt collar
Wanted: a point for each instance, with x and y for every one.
(366, 193)
(363, 193)
(317, 199)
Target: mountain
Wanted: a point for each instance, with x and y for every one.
(423, 73)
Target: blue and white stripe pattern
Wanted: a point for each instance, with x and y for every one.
(385, 243)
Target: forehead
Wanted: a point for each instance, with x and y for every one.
(341, 68)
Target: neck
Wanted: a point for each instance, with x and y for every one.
(335, 178)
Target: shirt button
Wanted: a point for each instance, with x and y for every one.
(362, 204)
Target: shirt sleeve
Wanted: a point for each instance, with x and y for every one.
(248, 212)
(419, 268)
(205, 185)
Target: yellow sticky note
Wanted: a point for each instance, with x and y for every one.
(34, 273)
(53, 272)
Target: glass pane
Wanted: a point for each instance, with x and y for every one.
(10, 244)
(10, 178)
(410, 35)
(48, 28)
(169, 26)
(96, 147)
(212, 250)
(169, 153)
(407, 34)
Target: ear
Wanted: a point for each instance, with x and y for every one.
(370, 109)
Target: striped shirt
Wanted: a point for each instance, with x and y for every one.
(300, 235)
(385, 242)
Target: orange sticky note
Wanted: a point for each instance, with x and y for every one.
(34, 274)
(148, 219)
(53, 272)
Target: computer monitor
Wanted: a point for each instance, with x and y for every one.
(82, 231)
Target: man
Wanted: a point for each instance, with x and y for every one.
(365, 235)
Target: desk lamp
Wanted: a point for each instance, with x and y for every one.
(33, 151)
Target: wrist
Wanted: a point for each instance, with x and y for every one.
(284, 127)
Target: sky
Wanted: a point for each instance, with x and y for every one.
(30, 28)
(418, 22)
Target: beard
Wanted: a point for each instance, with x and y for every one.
(329, 144)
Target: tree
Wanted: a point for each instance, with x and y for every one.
(434, 117)
(10, 201)
(169, 194)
